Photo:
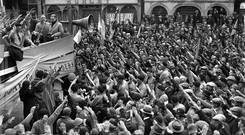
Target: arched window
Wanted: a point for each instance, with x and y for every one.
(187, 10)
(184, 12)
(128, 12)
(109, 13)
(159, 11)
(219, 9)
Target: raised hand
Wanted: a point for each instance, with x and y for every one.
(33, 109)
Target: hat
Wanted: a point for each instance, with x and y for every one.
(159, 125)
(231, 78)
(180, 107)
(182, 78)
(201, 124)
(176, 79)
(79, 121)
(217, 100)
(188, 90)
(164, 99)
(238, 111)
(165, 74)
(211, 84)
(239, 99)
(147, 110)
(66, 111)
(94, 131)
(192, 128)
(175, 127)
(138, 132)
(219, 117)
(204, 68)
(71, 76)
(208, 111)
(185, 85)
(135, 95)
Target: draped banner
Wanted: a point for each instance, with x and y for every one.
(10, 89)
(45, 56)
(58, 52)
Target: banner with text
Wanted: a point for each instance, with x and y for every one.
(10, 89)
(58, 52)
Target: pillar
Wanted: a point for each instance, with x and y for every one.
(39, 7)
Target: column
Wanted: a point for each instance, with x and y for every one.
(39, 7)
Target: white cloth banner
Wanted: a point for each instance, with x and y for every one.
(10, 89)
(48, 51)
(59, 52)
(66, 63)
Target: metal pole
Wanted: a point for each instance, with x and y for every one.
(70, 17)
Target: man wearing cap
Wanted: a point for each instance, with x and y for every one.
(175, 127)
(147, 116)
(42, 30)
(218, 123)
(65, 118)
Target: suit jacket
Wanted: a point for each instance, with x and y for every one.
(43, 28)
(57, 29)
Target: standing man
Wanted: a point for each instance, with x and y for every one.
(42, 29)
(33, 22)
(57, 29)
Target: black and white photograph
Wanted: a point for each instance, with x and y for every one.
(122, 67)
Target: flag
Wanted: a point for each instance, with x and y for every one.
(78, 37)
(101, 27)
(112, 30)
(138, 34)
(234, 28)
(1, 52)
(198, 48)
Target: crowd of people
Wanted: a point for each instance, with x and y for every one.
(27, 30)
(169, 78)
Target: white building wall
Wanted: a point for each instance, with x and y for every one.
(202, 5)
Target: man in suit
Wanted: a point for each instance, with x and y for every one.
(42, 29)
(57, 29)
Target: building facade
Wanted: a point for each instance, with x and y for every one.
(171, 7)
(129, 9)
(22, 6)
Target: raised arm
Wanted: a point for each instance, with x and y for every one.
(29, 117)
(57, 112)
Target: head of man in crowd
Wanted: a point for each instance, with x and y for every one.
(42, 18)
(53, 18)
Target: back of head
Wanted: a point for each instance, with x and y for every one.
(66, 111)
(39, 74)
(42, 112)
(94, 131)
(83, 131)
(74, 88)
